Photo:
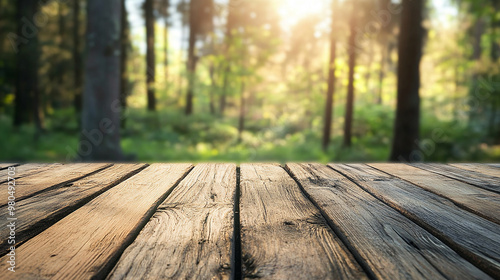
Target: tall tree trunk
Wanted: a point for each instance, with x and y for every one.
(26, 108)
(227, 71)
(100, 139)
(62, 47)
(407, 123)
(381, 73)
(495, 55)
(150, 54)
(124, 40)
(212, 89)
(350, 88)
(331, 81)
(241, 119)
(165, 48)
(77, 57)
(181, 50)
(478, 31)
(191, 65)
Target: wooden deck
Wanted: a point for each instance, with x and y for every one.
(222, 221)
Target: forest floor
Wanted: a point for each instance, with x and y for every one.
(174, 137)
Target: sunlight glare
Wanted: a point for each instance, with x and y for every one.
(292, 11)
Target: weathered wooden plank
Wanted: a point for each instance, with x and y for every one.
(479, 168)
(190, 235)
(51, 178)
(497, 165)
(86, 243)
(38, 212)
(27, 170)
(480, 180)
(472, 236)
(472, 198)
(7, 165)
(283, 236)
(390, 245)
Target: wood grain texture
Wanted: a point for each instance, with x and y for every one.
(52, 177)
(189, 237)
(27, 170)
(477, 200)
(487, 182)
(6, 165)
(479, 168)
(38, 212)
(85, 243)
(283, 236)
(390, 245)
(472, 236)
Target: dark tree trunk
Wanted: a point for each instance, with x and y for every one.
(26, 108)
(478, 31)
(124, 39)
(62, 47)
(350, 88)
(191, 65)
(77, 57)
(407, 123)
(381, 73)
(100, 139)
(150, 54)
(331, 81)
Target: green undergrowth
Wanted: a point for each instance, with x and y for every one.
(173, 137)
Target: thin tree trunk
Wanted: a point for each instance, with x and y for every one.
(407, 123)
(331, 81)
(62, 48)
(165, 50)
(213, 88)
(26, 108)
(227, 71)
(181, 50)
(368, 74)
(124, 39)
(350, 88)
(191, 56)
(381, 73)
(100, 139)
(77, 57)
(478, 30)
(150, 54)
(241, 119)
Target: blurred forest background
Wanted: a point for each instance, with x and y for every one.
(250, 80)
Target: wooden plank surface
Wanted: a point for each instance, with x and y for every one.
(50, 178)
(38, 212)
(472, 236)
(477, 200)
(189, 237)
(389, 244)
(487, 182)
(6, 165)
(283, 236)
(27, 169)
(479, 168)
(87, 242)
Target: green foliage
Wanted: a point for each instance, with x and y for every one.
(171, 136)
